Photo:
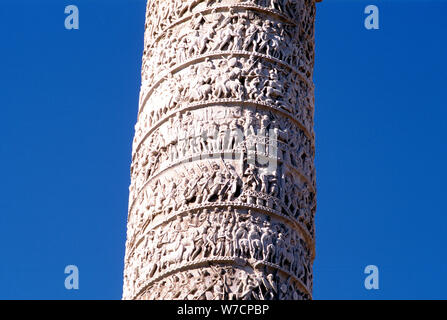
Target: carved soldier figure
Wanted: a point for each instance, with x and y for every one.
(273, 86)
(251, 181)
(267, 243)
(219, 291)
(197, 21)
(248, 289)
(200, 239)
(211, 240)
(234, 135)
(255, 242)
(222, 136)
(229, 230)
(249, 125)
(228, 20)
(220, 241)
(239, 236)
(253, 89)
(239, 36)
(251, 35)
(280, 249)
(202, 185)
(264, 38)
(225, 37)
(218, 183)
(216, 19)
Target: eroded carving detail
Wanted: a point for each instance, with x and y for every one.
(223, 192)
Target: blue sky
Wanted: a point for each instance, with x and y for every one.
(69, 102)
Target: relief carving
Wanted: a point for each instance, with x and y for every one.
(223, 190)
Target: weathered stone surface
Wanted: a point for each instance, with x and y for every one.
(222, 198)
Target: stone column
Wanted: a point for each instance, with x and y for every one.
(222, 198)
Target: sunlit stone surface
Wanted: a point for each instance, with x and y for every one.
(222, 198)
